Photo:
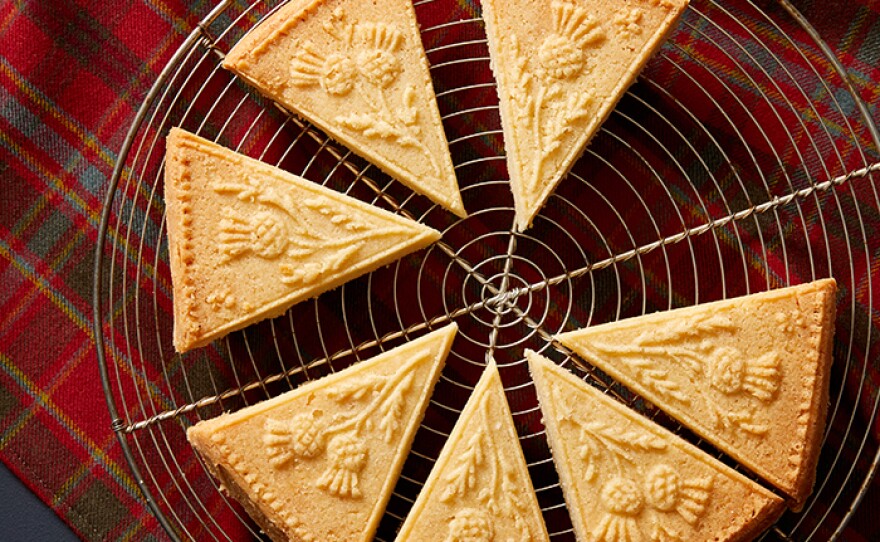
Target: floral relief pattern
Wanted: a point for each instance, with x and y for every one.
(368, 65)
(342, 439)
(347, 457)
(470, 525)
(667, 491)
(668, 4)
(263, 234)
(500, 498)
(636, 492)
(309, 237)
(221, 299)
(628, 22)
(336, 74)
(712, 369)
(301, 437)
(543, 107)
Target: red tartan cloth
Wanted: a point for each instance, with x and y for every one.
(73, 75)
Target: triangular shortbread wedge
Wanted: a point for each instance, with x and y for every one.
(479, 488)
(248, 240)
(561, 67)
(358, 71)
(320, 462)
(626, 478)
(748, 374)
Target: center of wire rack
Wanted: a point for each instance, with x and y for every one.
(501, 287)
(503, 306)
(502, 294)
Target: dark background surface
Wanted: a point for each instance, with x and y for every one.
(24, 517)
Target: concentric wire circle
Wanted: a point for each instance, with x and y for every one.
(737, 163)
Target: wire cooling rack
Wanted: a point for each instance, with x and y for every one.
(740, 161)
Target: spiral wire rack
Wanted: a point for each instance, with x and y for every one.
(741, 160)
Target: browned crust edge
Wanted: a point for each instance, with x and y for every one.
(253, 45)
(230, 485)
(806, 477)
(178, 219)
(231, 482)
(762, 519)
(188, 328)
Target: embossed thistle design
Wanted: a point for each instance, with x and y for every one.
(710, 367)
(544, 108)
(731, 374)
(293, 231)
(263, 233)
(633, 496)
(663, 491)
(667, 491)
(221, 299)
(377, 60)
(562, 55)
(501, 497)
(336, 74)
(341, 440)
(368, 64)
(470, 525)
(628, 22)
(668, 4)
(303, 437)
(623, 502)
(347, 457)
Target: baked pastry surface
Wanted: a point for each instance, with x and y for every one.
(479, 488)
(748, 374)
(358, 71)
(626, 478)
(561, 67)
(248, 240)
(319, 463)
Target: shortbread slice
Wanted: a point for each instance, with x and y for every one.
(561, 67)
(319, 463)
(479, 488)
(247, 240)
(748, 374)
(626, 478)
(358, 71)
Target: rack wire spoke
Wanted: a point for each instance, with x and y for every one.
(715, 224)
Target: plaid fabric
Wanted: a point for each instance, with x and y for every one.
(73, 75)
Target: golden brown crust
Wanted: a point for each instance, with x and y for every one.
(622, 474)
(330, 449)
(357, 71)
(816, 400)
(233, 483)
(561, 67)
(178, 197)
(750, 374)
(247, 240)
(481, 462)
